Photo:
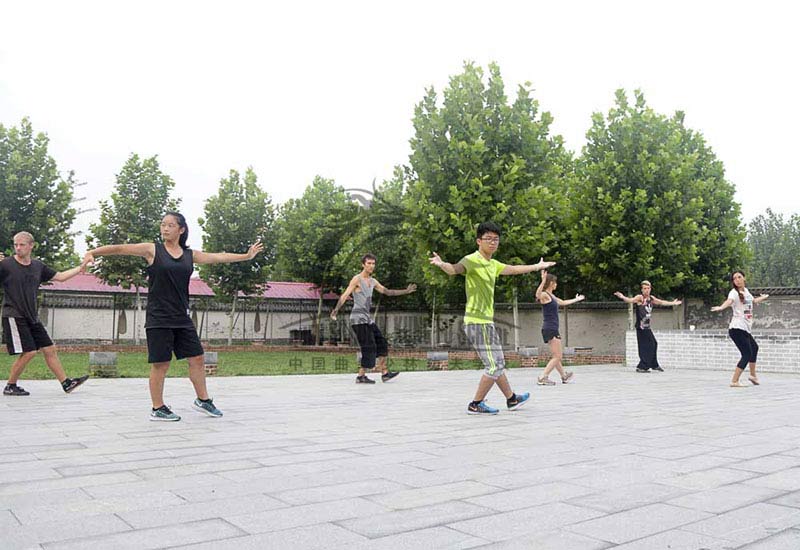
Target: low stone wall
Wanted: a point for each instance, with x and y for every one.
(779, 351)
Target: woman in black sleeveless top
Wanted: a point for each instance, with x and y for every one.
(645, 339)
(550, 304)
(168, 325)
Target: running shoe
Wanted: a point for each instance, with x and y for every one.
(566, 378)
(545, 382)
(163, 414)
(657, 368)
(13, 389)
(207, 407)
(517, 401)
(70, 384)
(388, 376)
(364, 379)
(481, 408)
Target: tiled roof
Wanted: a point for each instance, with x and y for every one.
(87, 282)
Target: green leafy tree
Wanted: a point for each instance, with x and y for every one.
(312, 231)
(650, 201)
(383, 235)
(140, 199)
(775, 243)
(477, 157)
(237, 216)
(34, 197)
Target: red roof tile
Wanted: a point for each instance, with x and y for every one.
(87, 282)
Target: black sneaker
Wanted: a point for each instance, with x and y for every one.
(13, 389)
(71, 383)
(657, 368)
(363, 379)
(388, 376)
(642, 370)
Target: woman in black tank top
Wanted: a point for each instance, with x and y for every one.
(169, 327)
(550, 304)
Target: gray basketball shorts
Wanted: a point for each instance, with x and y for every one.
(486, 341)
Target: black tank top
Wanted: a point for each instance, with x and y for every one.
(168, 295)
(644, 311)
(550, 314)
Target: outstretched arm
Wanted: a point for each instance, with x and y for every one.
(575, 300)
(143, 250)
(345, 295)
(726, 304)
(450, 269)
(389, 292)
(660, 302)
(201, 257)
(68, 274)
(621, 296)
(760, 298)
(522, 269)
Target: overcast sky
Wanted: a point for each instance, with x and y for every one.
(328, 88)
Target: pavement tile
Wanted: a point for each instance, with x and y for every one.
(637, 523)
(747, 524)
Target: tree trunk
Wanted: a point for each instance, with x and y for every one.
(230, 321)
(136, 318)
(433, 321)
(516, 319)
(319, 315)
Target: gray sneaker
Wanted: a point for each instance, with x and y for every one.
(545, 382)
(206, 407)
(566, 378)
(163, 414)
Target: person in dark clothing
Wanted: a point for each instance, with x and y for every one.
(23, 332)
(646, 340)
(550, 335)
(168, 324)
(370, 339)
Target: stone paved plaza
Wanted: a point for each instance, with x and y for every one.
(616, 460)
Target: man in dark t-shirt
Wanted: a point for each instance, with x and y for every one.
(23, 332)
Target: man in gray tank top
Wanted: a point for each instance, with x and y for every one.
(373, 344)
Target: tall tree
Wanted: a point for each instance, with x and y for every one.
(382, 233)
(477, 157)
(312, 230)
(650, 201)
(237, 216)
(140, 198)
(34, 197)
(775, 243)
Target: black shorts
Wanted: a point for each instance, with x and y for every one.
(22, 336)
(548, 335)
(372, 344)
(163, 342)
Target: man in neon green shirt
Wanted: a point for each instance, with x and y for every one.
(481, 273)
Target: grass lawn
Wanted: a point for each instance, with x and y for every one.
(134, 365)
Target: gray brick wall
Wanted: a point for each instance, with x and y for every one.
(779, 351)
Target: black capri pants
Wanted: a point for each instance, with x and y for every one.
(747, 346)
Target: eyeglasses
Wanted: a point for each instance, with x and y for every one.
(491, 240)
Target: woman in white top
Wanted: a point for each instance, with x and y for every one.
(740, 299)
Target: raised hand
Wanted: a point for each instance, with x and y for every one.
(543, 264)
(619, 295)
(411, 288)
(716, 308)
(254, 249)
(436, 260)
(579, 297)
(88, 259)
(544, 274)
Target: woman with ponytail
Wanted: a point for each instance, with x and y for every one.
(169, 327)
(740, 327)
(550, 334)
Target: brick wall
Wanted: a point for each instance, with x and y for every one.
(779, 351)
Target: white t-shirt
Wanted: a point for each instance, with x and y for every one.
(742, 312)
